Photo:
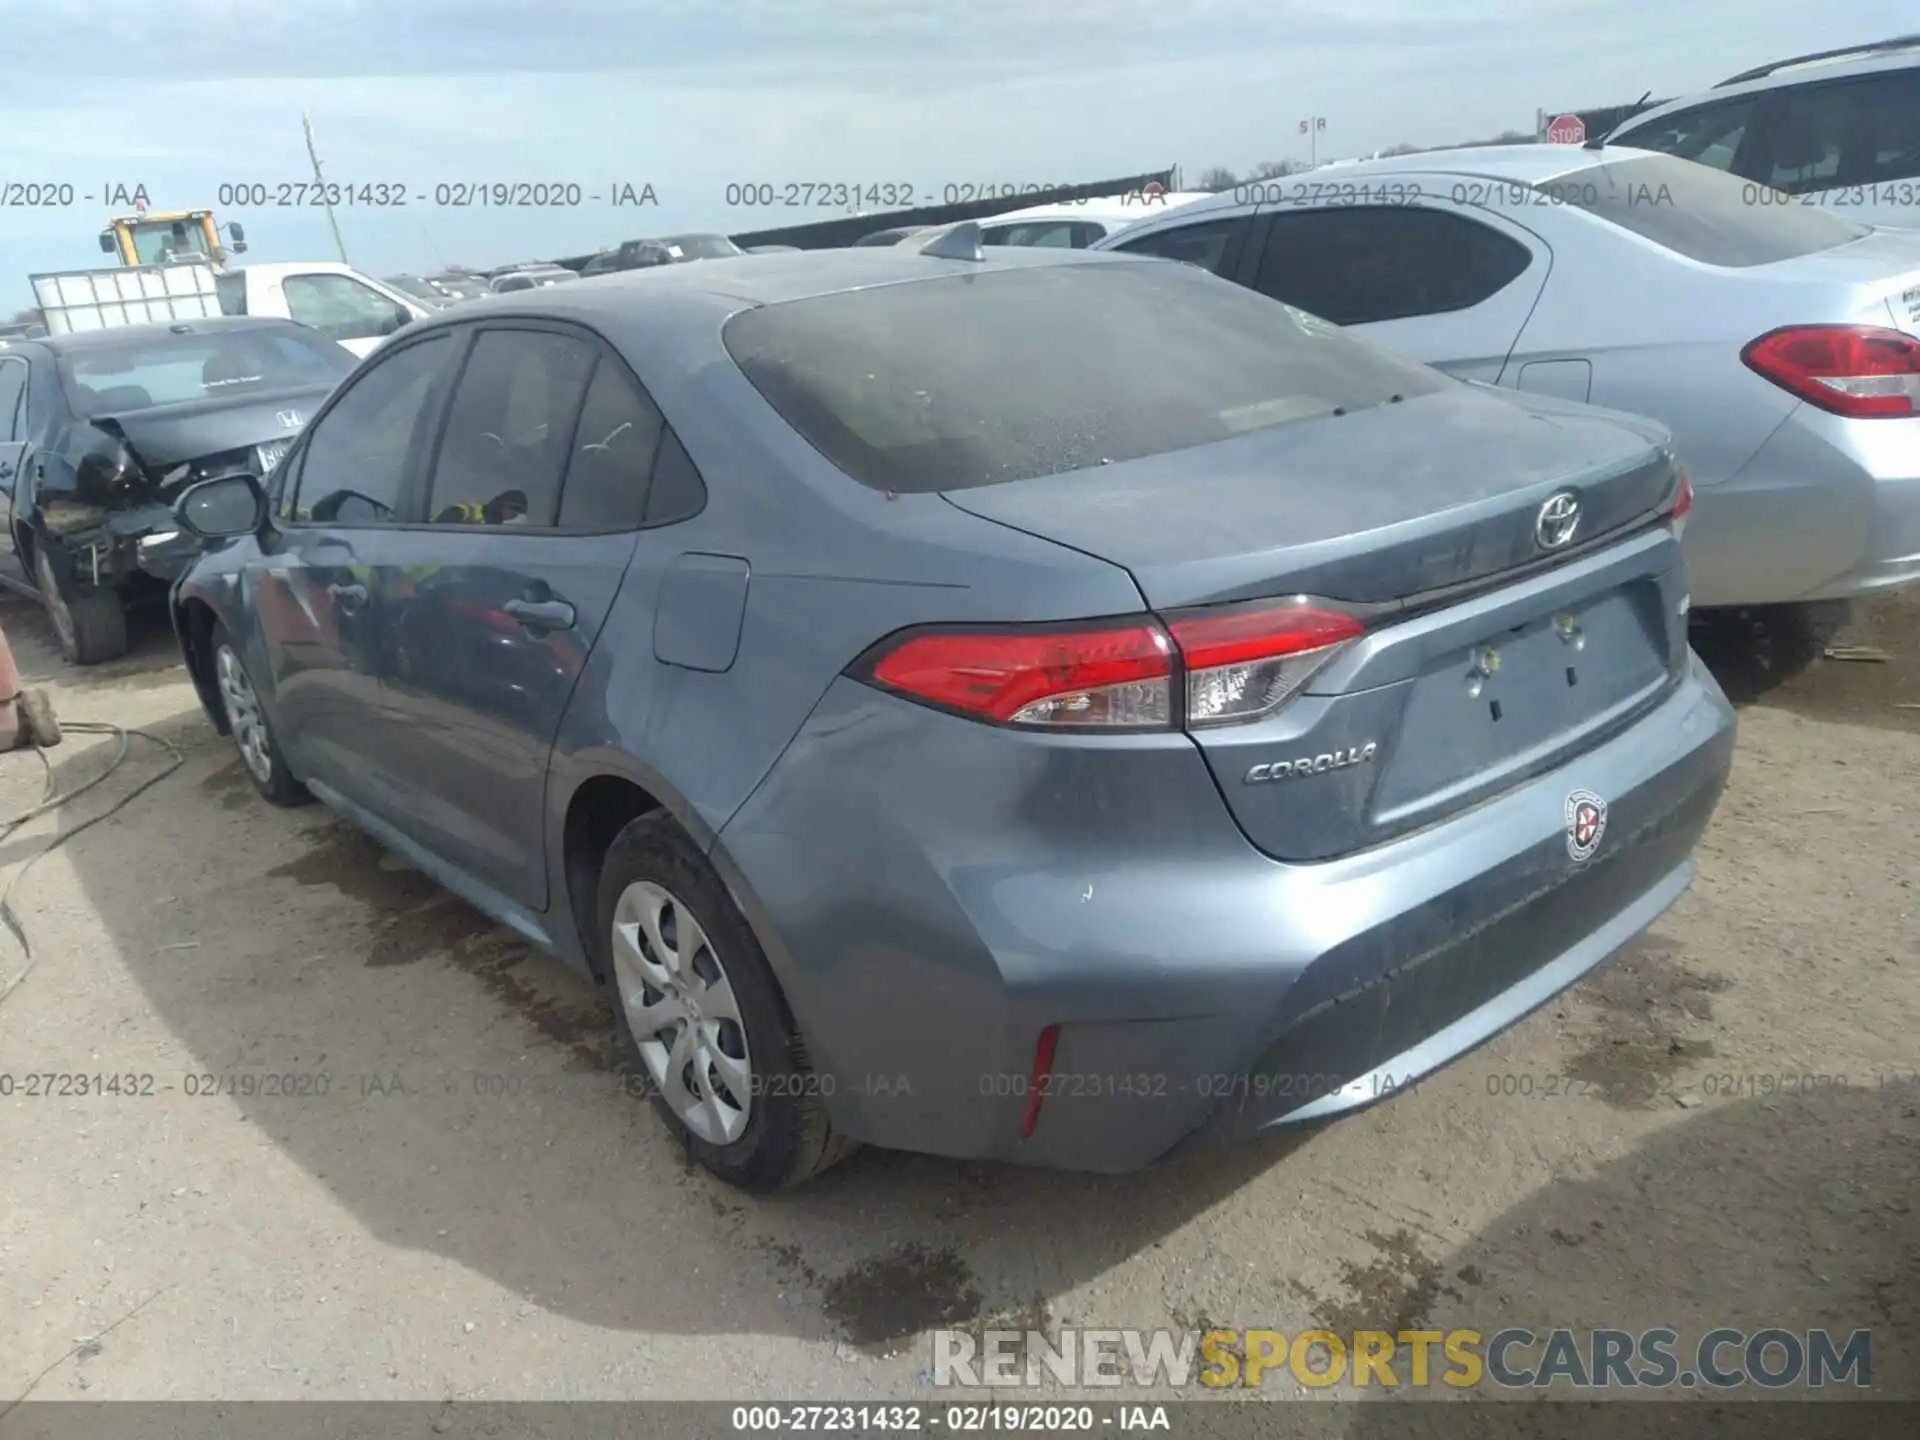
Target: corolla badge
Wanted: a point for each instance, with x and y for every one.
(1311, 764)
(1586, 823)
(289, 418)
(1557, 521)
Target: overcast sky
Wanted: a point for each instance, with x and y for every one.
(689, 95)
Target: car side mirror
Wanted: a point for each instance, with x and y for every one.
(402, 317)
(107, 246)
(223, 508)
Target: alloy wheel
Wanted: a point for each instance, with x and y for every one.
(243, 714)
(681, 1009)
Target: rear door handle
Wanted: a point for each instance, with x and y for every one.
(348, 597)
(541, 614)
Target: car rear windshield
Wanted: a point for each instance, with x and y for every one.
(1702, 213)
(112, 378)
(701, 247)
(968, 380)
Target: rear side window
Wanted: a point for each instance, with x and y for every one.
(613, 448)
(1702, 214)
(1209, 244)
(959, 381)
(1360, 264)
(1846, 132)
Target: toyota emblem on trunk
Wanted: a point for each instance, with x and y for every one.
(1557, 521)
(1586, 823)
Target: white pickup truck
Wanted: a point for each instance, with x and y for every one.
(337, 300)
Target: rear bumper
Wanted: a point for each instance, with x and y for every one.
(1827, 509)
(929, 918)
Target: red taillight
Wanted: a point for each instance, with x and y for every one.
(1861, 371)
(1038, 1082)
(1246, 663)
(1106, 677)
(1240, 662)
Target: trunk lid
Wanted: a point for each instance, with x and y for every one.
(1488, 659)
(213, 436)
(1398, 500)
(1874, 280)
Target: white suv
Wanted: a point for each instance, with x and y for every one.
(1840, 129)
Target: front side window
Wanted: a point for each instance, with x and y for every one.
(13, 400)
(958, 381)
(1854, 132)
(1707, 134)
(342, 308)
(354, 463)
(1361, 264)
(509, 429)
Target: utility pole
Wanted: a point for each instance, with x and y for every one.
(338, 244)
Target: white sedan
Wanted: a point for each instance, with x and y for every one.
(1776, 341)
(1078, 224)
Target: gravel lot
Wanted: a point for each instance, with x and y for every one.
(477, 1210)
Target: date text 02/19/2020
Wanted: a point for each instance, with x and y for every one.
(444, 194)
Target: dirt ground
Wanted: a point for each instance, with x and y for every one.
(477, 1210)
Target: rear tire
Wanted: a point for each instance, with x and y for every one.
(1755, 648)
(248, 726)
(679, 952)
(91, 627)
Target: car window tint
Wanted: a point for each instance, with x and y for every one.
(509, 429)
(1057, 234)
(1702, 214)
(1886, 144)
(1205, 244)
(677, 493)
(1045, 369)
(356, 454)
(13, 399)
(1707, 134)
(1360, 264)
(613, 447)
(342, 308)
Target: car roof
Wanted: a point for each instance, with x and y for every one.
(752, 280)
(1531, 164)
(199, 325)
(1842, 65)
(1108, 207)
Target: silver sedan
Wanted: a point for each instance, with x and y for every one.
(1775, 340)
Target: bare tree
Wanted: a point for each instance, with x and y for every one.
(28, 317)
(1274, 169)
(1217, 178)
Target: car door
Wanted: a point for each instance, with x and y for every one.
(533, 500)
(340, 497)
(13, 432)
(1849, 145)
(348, 310)
(1447, 284)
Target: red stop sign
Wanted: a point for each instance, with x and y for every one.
(1153, 190)
(1568, 130)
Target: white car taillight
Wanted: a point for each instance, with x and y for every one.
(1865, 372)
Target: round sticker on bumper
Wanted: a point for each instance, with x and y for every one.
(1586, 823)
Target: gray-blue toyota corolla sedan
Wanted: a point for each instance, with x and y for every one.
(1004, 703)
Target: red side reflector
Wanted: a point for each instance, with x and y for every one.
(1682, 498)
(1861, 371)
(1037, 1082)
